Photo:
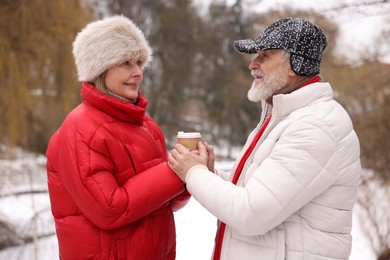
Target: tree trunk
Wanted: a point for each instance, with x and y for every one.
(385, 255)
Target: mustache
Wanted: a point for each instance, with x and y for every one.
(257, 73)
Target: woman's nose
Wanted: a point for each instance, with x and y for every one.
(137, 72)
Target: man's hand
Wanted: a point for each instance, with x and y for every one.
(181, 160)
(211, 156)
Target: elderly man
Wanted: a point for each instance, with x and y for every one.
(292, 189)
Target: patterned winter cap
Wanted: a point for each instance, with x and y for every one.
(304, 40)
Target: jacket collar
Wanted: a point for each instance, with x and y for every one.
(116, 108)
(285, 104)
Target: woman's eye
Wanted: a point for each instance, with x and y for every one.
(139, 62)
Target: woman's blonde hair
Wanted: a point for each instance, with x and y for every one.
(99, 83)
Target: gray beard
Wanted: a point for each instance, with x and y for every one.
(270, 85)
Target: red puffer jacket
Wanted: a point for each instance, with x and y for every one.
(112, 193)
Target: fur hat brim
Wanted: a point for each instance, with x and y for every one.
(105, 43)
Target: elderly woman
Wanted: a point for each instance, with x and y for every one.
(112, 193)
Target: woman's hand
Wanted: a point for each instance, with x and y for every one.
(181, 160)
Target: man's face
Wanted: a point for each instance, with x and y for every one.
(271, 72)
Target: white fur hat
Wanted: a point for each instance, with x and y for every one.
(108, 42)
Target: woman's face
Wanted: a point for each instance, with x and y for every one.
(125, 79)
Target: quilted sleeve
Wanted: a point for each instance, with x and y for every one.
(295, 171)
(87, 176)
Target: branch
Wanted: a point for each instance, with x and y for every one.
(21, 193)
(22, 241)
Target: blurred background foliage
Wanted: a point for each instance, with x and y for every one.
(37, 74)
(195, 82)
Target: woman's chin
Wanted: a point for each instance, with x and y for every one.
(132, 96)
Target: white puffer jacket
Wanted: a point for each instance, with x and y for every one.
(295, 196)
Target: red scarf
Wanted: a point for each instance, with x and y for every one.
(237, 173)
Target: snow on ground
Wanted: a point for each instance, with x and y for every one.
(195, 229)
(195, 226)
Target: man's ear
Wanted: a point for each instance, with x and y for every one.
(291, 73)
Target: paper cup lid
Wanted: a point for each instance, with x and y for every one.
(189, 135)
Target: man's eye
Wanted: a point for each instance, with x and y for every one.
(126, 63)
(139, 62)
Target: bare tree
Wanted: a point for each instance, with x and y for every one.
(374, 213)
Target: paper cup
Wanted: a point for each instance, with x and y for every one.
(189, 139)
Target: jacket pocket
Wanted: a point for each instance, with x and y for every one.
(267, 246)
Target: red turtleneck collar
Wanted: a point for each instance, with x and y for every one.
(116, 108)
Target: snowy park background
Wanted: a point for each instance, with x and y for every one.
(30, 215)
(24, 201)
